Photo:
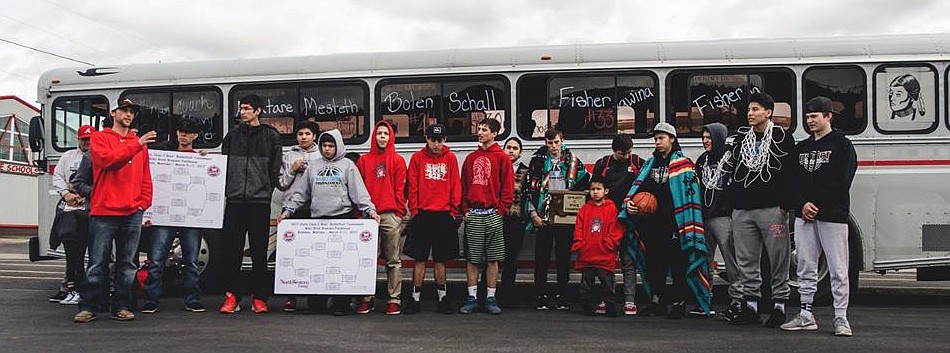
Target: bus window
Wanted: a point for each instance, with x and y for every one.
(279, 107)
(699, 97)
(846, 86)
(905, 99)
(337, 106)
(587, 106)
(69, 113)
(458, 103)
(161, 109)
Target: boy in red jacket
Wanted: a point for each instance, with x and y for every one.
(434, 196)
(384, 173)
(597, 233)
(123, 190)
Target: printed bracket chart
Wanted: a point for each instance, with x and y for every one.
(188, 189)
(326, 256)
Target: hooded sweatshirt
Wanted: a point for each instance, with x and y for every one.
(768, 188)
(434, 183)
(715, 201)
(488, 180)
(384, 173)
(334, 186)
(254, 156)
(597, 233)
(618, 175)
(826, 170)
(122, 179)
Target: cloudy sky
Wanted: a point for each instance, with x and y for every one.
(110, 32)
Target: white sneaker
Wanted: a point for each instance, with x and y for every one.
(799, 323)
(71, 299)
(842, 327)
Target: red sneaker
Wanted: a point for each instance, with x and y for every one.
(230, 305)
(259, 306)
(364, 308)
(393, 309)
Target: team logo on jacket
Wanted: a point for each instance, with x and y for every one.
(329, 175)
(660, 174)
(596, 225)
(214, 170)
(380, 171)
(481, 171)
(289, 236)
(366, 236)
(435, 171)
(813, 160)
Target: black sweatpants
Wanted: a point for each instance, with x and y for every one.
(253, 220)
(559, 239)
(75, 262)
(514, 238)
(590, 295)
(663, 256)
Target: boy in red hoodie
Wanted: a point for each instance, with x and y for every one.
(384, 173)
(434, 196)
(123, 190)
(488, 184)
(597, 233)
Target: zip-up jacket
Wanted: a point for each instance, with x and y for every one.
(826, 168)
(254, 157)
(434, 183)
(597, 233)
(384, 173)
(122, 179)
(487, 180)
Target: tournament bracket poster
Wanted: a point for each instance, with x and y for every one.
(326, 256)
(187, 189)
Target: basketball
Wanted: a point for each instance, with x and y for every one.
(645, 202)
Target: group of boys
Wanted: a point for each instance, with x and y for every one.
(735, 198)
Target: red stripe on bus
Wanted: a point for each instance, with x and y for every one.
(905, 162)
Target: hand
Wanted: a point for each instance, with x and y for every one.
(632, 208)
(809, 211)
(70, 198)
(538, 222)
(203, 152)
(281, 217)
(148, 223)
(298, 166)
(375, 217)
(149, 137)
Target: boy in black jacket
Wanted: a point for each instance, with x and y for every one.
(827, 164)
(717, 211)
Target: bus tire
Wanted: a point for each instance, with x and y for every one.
(211, 274)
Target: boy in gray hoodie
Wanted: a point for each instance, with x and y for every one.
(334, 189)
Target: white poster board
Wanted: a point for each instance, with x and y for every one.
(187, 189)
(326, 256)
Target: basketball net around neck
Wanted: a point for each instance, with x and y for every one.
(712, 178)
(755, 155)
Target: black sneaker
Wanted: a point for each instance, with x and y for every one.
(58, 297)
(732, 312)
(195, 307)
(677, 312)
(697, 311)
(149, 308)
(542, 303)
(445, 306)
(412, 307)
(746, 316)
(776, 319)
(560, 303)
(653, 309)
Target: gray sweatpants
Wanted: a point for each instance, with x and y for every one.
(813, 238)
(629, 269)
(751, 230)
(719, 232)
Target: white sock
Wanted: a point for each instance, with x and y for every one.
(441, 292)
(472, 291)
(416, 295)
(780, 307)
(841, 313)
(753, 304)
(491, 292)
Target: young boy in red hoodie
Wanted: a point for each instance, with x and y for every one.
(384, 173)
(434, 196)
(597, 233)
(488, 184)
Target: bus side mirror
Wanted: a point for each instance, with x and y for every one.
(37, 142)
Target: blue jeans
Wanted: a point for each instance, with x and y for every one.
(103, 230)
(162, 238)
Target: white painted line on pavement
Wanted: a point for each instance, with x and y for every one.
(39, 272)
(20, 277)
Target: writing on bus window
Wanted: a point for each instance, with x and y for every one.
(634, 97)
(468, 103)
(582, 99)
(346, 106)
(721, 100)
(193, 105)
(394, 103)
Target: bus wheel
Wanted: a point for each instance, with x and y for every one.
(855, 263)
(174, 265)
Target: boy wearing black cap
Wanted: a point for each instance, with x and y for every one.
(827, 164)
(435, 192)
(162, 237)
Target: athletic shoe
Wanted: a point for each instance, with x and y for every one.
(365, 307)
(560, 303)
(393, 309)
(732, 312)
(601, 309)
(123, 315)
(629, 308)
(149, 308)
(71, 299)
(340, 307)
(290, 305)
(258, 306)
(746, 316)
(776, 319)
(697, 311)
(195, 307)
(58, 297)
(84, 316)
(413, 307)
(469, 306)
(230, 305)
(491, 306)
(842, 327)
(799, 323)
(542, 303)
(654, 309)
(445, 306)
(677, 312)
